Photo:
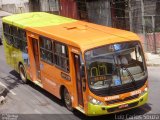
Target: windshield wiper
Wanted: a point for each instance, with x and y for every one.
(109, 87)
(129, 73)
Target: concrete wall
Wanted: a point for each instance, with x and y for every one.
(49, 5)
(99, 12)
(15, 6)
(150, 40)
(13, 1)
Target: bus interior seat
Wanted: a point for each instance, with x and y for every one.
(94, 71)
(102, 69)
(124, 60)
(135, 71)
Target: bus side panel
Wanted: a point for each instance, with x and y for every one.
(52, 80)
(13, 56)
(8, 53)
(17, 58)
(49, 77)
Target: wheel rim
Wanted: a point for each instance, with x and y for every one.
(67, 100)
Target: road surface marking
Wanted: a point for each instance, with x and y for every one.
(13, 93)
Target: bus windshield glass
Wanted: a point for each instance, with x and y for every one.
(115, 65)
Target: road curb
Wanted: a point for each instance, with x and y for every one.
(153, 65)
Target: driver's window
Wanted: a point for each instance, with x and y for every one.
(139, 56)
(136, 54)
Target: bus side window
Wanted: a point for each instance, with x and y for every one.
(7, 33)
(61, 56)
(22, 34)
(15, 34)
(46, 50)
(23, 40)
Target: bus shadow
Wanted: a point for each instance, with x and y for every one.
(11, 81)
(45, 93)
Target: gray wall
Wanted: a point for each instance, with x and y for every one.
(49, 5)
(13, 8)
(99, 12)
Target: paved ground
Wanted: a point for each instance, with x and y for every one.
(153, 59)
(30, 99)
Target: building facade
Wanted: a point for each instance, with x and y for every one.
(96, 11)
(139, 16)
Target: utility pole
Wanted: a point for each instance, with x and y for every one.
(0, 4)
(154, 34)
(130, 16)
(143, 26)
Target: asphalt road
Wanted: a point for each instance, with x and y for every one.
(31, 102)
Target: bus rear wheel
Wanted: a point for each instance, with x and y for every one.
(67, 100)
(22, 73)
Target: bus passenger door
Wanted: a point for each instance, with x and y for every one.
(78, 80)
(36, 57)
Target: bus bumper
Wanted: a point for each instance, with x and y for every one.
(96, 110)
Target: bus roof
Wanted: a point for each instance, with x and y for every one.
(36, 19)
(76, 33)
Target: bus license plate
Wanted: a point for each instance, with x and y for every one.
(123, 106)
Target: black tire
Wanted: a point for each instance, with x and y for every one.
(22, 73)
(67, 100)
(0, 41)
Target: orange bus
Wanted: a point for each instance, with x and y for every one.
(95, 69)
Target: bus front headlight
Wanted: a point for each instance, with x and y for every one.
(95, 101)
(143, 92)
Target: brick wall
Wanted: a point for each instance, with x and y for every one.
(150, 41)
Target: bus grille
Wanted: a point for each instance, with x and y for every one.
(122, 100)
(115, 109)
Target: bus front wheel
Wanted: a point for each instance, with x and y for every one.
(67, 100)
(22, 73)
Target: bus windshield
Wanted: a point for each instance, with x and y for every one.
(115, 65)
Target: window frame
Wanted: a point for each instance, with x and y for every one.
(23, 40)
(17, 40)
(54, 54)
(61, 56)
(42, 38)
(7, 33)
